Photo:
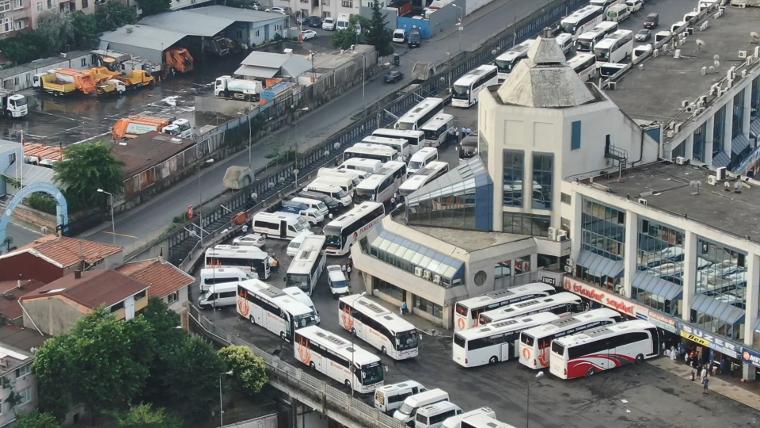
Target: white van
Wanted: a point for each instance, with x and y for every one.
(456, 421)
(211, 276)
(390, 397)
(420, 159)
(342, 22)
(408, 409)
(295, 244)
(432, 416)
(307, 213)
(301, 297)
(399, 35)
(313, 203)
(370, 166)
(338, 284)
(331, 190)
(355, 176)
(219, 296)
(345, 182)
(278, 225)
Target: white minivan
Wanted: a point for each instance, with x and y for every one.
(420, 159)
(219, 296)
(342, 23)
(433, 415)
(313, 203)
(456, 421)
(390, 397)
(408, 409)
(278, 225)
(212, 276)
(295, 244)
(331, 190)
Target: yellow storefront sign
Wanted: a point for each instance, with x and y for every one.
(695, 338)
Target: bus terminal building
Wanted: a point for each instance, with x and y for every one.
(568, 188)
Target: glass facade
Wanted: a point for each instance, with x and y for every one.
(698, 150)
(719, 128)
(543, 167)
(721, 288)
(421, 304)
(738, 115)
(755, 102)
(390, 290)
(659, 264)
(575, 137)
(514, 171)
(526, 224)
(680, 150)
(603, 241)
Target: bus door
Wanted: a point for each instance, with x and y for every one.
(283, 229)
(514, 350)
(505, 349)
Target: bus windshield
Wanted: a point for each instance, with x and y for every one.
(584, 45)
(364, 192)
(461, 91)
(415, 164)
(505, 65)
(302, 321)
(407, 340)
(404, 126)
(300, 281)
(371, 373)
(333, 235)
(568, 27)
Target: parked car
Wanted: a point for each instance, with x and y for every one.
(393, 76)
(250, 240)
(278, 10)
(308, 34)
(399, 35)
(336, 279)
(314, 22)
(652, 21)
(634, 5)
(643, 35)
(328, 24)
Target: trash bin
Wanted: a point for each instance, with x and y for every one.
(396, 59)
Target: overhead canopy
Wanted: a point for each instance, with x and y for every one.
(188, 22)
(286, 64)
(257, 72)
(725, 312)
(658, 286)
(600, 266)
(739, 143)
(141, 36)
(754, 127)
(237, 14)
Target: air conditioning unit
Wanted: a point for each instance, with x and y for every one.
(711, 180)
(426, 275)
(418, 271)
(680, 160)
(720, 173)
(643, 201)
(552, 234)
(436, 279)
(561, 235)
(742, 54)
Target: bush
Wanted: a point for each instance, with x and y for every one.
(42, 202)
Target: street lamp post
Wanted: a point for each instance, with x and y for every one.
(221, 403)
(250, 147)
(200, 197)
(539, 375)
(113, 225)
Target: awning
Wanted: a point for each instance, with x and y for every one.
(600, 266)
(258, 72)
(648, 282)
(721, 159)
(754, 126)
(739, 143)
(725, 312)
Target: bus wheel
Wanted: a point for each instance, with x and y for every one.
(253, 320)
(590, 372)
(493, 360)
(353, 332)
(639, 359)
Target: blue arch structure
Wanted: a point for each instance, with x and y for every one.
(61, 208)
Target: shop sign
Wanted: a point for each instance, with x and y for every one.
(661, 320)
(592, 293)
(751, 357)
(711, 341)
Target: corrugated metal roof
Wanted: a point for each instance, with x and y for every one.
(258, 72)
(265, 59)
(237, 14)
(143, 36)
(40, 63)
(188, 22)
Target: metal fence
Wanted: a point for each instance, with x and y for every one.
(376, 116)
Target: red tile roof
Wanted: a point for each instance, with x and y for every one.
(67, 251)
(163, 277)
(9, 294)
(102, 287)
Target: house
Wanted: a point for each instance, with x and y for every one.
(52, 257)
(166, 282)
(54, 308)
(18, 386)
(10, 291)
(267, 65)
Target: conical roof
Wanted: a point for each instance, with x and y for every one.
(544, 80)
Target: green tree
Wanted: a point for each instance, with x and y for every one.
(152, 7)
(378, 33)
(248, 370)
(25, 47)
(113, 14)
(85, 168)
(97, 364)
(36, 419)
(85, 35)
(145, 416)
(56, 29)
(343, 39)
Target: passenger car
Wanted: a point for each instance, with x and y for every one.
(308, 34)
(393, 76)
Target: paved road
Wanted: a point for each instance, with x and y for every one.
(149, 220)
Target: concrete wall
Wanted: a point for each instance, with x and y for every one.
(180, 305)
(150, 55)
(28, 266)
(53, 315)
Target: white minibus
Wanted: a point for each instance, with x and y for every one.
(296, 242)
(331, 190)
(368, 166)
(438, 129)
(342, 180)
(617, 13)
(390, 397)
(211, 276)
(278, 225)
(355, 176)
(433, 415)
(313, 203)
(408, 409)
(219, 296)
(370, 151)
(420, 159)
(398, 144)
(456, 421)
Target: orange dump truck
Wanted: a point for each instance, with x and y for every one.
(66, 81)
(137, 79)
(133, 126)
(179, 60)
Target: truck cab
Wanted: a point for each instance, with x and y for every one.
(14, 105)
(342, 23)
(179, 128)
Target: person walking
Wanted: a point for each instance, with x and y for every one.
(348, 272)
(703, 375)
(705, 383)
(693, 374)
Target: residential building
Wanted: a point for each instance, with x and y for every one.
(52, 257)
(166, 281)
(18, 386)
(54, 308)
(38, 7)
(10, 291)
(326, 8)
(13, 169)
(15, 17)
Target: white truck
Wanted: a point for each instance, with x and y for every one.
(13, 105)
(179, 128)
(229, 87)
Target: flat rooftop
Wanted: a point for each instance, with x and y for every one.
(469, 240)
(666, 187)
(655, 92)
(147, 151)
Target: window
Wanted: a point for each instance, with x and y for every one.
(525, 224)
(25, 396)
(173, 297)
(49, 4)
(39, 6)
(257, 31)
(755, 100)
(542, 181)
(660, 254)
(19, 4)
(575, 141)
(347, 3)
(141, 295)
(83, 62)
(565, 198)
(428, 306)
(719, 125)
(513, 178)
(5, 6)
(738, 115)
(23, 371)
(698, 147)
(117, 306)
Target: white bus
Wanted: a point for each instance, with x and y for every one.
(382, 185)
(420, 114)
(331, 190)
(399, 144)
(582, 20)
(355, 176)
(351, 226)
(368, 166)
(306, 268)
(465, 91)
(271, 308)
(507, 61)
(603, 348)
(370, 151)
(535, 342)
(248, 259)
(413, 137)
(466, 312)
(584, 64)
(483, 421)
(617, 12)
(422, 177)
(587, 40)
(376, 325)
(559, 303)
(604, 3)
(495, 342)
(456, 421)
(616, 47)
(437, 130)
(278, 225)
(338, 359)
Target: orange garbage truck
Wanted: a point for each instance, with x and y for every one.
(179, 60)
(64, 81)
(131, 127)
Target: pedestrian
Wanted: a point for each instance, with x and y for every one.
(703, 375)
(686, 358)
(348, 271)
(350, 262)
(673, 354)
(705, 383)
(404, 309)
(693, 374)
(343, 268)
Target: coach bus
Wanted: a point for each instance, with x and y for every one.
(507, 61)
(271, 308)
(351, 226)
(582, 20)
(559, 303)
(420, 114)
(422, 177)
(584, 64)
(249, 259)
(616, 47)
(466, 89)
(382, 185)
(466, 312)
(307, 266)
(586, 41)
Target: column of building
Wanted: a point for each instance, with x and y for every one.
(750, 311)
(746, 119)
(631, 244)
(689, 273)
(728, 120)
(709, 129)
(689, 152)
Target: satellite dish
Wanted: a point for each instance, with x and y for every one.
(755, 36)
(716, 57)
(716, 63)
